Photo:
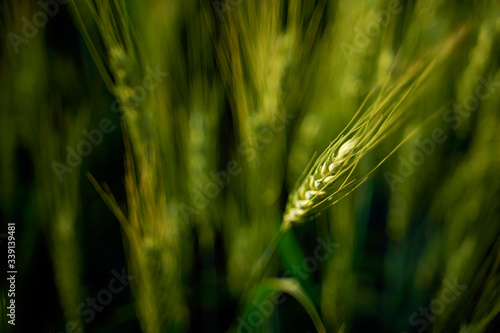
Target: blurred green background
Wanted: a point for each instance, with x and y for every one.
(159, 140)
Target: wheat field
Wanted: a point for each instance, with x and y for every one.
(250, 166)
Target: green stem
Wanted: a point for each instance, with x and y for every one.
(261, 265)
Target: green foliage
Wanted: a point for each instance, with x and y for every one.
(341, 153)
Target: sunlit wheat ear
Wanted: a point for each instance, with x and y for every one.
(329, 176)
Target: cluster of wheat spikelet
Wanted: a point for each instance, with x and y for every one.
(318, 186)
(330, 178)
(153, 231)
(254, 60)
